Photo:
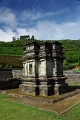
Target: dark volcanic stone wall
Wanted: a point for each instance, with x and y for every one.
(7, 80)
(5, 74)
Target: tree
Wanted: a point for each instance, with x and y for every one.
(65, 64)
(32, 37)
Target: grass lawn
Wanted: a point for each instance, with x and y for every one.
(16, 111)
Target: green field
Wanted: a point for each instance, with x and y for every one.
(16, 111)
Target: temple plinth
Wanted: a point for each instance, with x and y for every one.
(43, 69)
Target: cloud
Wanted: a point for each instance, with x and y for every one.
(30, 15)
(71, 30)
(52, 31)
(7, 34)
(7, 17)
(45, 30)
(34, 15)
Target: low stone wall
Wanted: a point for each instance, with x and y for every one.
(8, 79)
(5, 74)
(72, 78)
(17, 73)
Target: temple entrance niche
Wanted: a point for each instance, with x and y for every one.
(43, 69)
(30, 69)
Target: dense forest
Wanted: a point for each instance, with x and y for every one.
(11, 53)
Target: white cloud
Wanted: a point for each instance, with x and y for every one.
(50, 30)
(71, 30)
(45, 31)
(21, 31)
(7, 17)
(30, 15)
(35, 15)
(56, 13)
(7, 34)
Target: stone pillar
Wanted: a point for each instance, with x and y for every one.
(25, 69)
(60, 86)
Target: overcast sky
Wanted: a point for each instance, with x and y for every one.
(45, 19)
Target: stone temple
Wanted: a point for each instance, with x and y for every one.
(43, 69)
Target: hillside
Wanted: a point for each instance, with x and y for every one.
(11, 52)
(71, 50)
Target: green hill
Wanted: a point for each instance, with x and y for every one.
(71, 50)
(11, 52)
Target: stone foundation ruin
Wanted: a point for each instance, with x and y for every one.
(43, 69)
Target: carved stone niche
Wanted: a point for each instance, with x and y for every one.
(43, 69)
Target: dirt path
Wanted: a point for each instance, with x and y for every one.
(58, 107)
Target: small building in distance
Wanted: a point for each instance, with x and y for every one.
(43, 69)
(25, 37)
